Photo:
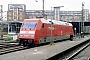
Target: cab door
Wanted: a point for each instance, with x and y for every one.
(44, 30)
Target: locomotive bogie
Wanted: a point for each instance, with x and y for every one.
(25, 42)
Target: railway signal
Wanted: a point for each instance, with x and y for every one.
(82, 22)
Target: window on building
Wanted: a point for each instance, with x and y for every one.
(15, 17)
(11, 9)
(10, 14)
(9, 18)
(20, 14)
(20, 9)
(20, 18)
(15, 13)
(15, 10)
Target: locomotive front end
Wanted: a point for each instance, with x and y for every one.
(27, 33)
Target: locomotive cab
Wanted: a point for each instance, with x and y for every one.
(27, 32)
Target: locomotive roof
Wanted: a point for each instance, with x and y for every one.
(60, 22)
(54, 21)
(42, 19)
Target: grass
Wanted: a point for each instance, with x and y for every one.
(9, 38)
(52, 43)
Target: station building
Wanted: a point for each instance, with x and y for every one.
(17, 13)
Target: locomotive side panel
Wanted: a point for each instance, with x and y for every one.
(37, 32)
(44, 33)
(58, 33)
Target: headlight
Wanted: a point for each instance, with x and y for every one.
(32, 32)
(32, 35)
(22, 32)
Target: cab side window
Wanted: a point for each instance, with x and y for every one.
(43, 25)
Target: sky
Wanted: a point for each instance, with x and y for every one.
(33, 5)
(69, 5)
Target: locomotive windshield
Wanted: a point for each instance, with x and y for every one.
(25, 25)
(29, 25)
(32, 25)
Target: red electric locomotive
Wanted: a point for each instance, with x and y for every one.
(37, 31)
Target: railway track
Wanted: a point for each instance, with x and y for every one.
(7, 45)
(10, 47)
(71, 53)
(67, 55)
(77, 51)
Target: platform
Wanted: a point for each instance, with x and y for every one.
(43, 52)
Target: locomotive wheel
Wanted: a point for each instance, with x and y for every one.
(20, 42)
(24, 44)
(71, 39)
(31, 44)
